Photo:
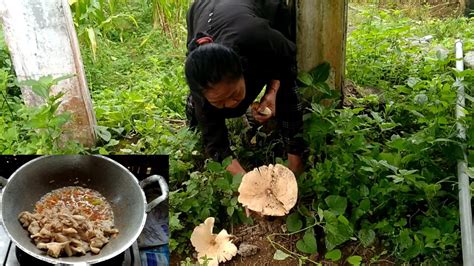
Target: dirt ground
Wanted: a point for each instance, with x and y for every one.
(257, 233)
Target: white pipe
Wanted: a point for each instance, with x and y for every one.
(464, 191)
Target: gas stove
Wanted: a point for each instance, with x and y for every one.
(140, 166)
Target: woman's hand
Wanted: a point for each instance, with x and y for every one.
(268, 101)
(235, 168)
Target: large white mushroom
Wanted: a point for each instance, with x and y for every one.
(217, 248)
(269, 190)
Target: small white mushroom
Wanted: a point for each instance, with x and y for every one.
(68, 250)
(95, 250)
(69, 230)
(217, 248)
(269, 190)
(25, 218)
(34, 228)
(60, 237)
(265, 112)
(43, 233)
(54, 248)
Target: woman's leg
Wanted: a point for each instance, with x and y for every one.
(289, 115)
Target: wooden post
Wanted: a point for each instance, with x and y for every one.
(42, 41)
(321, 36)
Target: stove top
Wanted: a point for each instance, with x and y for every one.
(140, 166)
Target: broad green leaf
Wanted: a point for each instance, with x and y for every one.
(103, 151)
(334, 255)
(214, 166)
(230, 210)
(226, 162)
(336, 231)
(365, 205)
(37, 87)
(308, 243)
(305, 78)
(364, 191)
(222, 183)
(431, 233)
(103, 133)
(280, 255)
(412, 82)
(294, 222)
(174, 221)
(320, 214)
(324, 88)
(401, 223)
(336, 203)
(470, 172)
(237, 179)
(321, 72)
(404, 238)
(354, 260)
(366, 237)
(343, 219)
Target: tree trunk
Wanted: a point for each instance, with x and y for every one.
(321, 36)
(42, 41)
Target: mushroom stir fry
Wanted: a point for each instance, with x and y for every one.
(70, 220)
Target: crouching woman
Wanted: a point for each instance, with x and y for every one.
(235, 48)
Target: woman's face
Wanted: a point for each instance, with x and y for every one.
(226, 94)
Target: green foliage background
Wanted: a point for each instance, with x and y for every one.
(380, 173)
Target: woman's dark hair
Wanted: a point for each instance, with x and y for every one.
(209, 64)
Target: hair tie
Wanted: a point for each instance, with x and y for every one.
(204, 40)
(200, 38)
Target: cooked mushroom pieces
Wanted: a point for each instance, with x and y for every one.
(70, 221)
(269, 190)
(211, 247)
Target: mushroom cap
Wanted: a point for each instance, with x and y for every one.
(218, 248)
(270, 190)
(266, 112)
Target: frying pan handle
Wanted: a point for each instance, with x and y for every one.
(163, 187)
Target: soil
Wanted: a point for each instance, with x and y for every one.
(256, 234)
(262, 228)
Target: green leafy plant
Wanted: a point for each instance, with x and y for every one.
(211, 192)
(37, 130)
(94, 18)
